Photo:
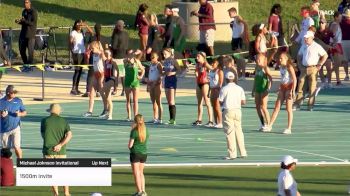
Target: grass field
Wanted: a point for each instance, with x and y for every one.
(64, 12)
(223, 181)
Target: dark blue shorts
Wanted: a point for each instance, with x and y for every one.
(170, 82)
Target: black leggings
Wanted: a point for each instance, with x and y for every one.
(78, 59)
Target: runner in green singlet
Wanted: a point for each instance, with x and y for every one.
(134, 71)
(261, 87)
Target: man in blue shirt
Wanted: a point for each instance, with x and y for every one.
(12, 109)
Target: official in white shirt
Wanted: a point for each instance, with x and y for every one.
(311, 56)
(232, 97)
(287, 186)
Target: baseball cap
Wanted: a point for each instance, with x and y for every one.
(11, 89)
(55, 108)
(309, 34)
(230, 76)
(287, 160)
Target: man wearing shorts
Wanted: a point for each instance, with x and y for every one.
(345, 28)
(56, 133)
(12, 109)
(205, 15)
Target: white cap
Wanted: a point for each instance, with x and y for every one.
(230, 76)
(287, 160)
(96, 194)
(309, 34)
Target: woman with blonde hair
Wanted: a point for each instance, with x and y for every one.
(134, 72)
(138, 153)
(286, 90)
(153, 37)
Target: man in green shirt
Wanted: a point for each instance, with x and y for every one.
(56, 133)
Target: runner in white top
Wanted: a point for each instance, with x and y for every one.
(216, 80)
(287, 186)
(286, 90)
(260, 40)
(155, 87)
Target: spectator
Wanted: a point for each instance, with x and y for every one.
(78, 50)
(155, 87)
(94, 36)
(240, 38)
(138, 153)
(286, 183)
(28, 32)
(343, 6)
(56, 134)
(323, 37)
(316, 14)
(154, 34)
(216, 80)
(205, 15)
(178, 40)
(232, 97)
(345, 27)
(120, 44)
(202, 90)
(170, 69)
(134, 72)
(7, 177)
(305, 24)
(337, 50)
(142, 24)
(275, 30)
(168, 13)
(261, 87)
(12, 109)
(311, 56)
(228, 64)
(4, 60)
(286, 90)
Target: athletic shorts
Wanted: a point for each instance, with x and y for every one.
(338, 49)
(236, 43)
(11, 138)
(286, 87)
(346, 48)
(136, 158)
(98, 75)
(200, 86)
(107, 79)
(55, 156)
(170, 82)
(207, 37)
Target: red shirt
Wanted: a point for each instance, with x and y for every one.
(108, 71)
(202, 75)
(325, 36)
(142, 24)
(345, 28)
(275, 23)
(7, 176)
(207, 10)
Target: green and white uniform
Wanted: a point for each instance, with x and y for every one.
(260, 81)
(131, 74)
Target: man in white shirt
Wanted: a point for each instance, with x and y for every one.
(232, 97)
(286, 183)
(311, 57)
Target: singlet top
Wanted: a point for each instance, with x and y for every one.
(131, 73)
(108, 68)
(262, 44)
(214, 78)
(338, 36)
(285, 77)
(153, 73)
(202, 75)
(97, 63)
(169, 65)
(260, 80)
